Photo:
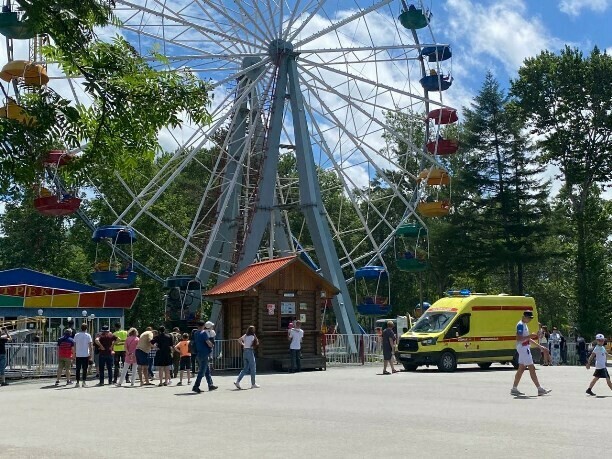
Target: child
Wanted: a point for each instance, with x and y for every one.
(600, 355)
(185, 363)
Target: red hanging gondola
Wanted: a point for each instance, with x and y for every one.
(444, 147)
(57, 206)
(57, 158)
(443, 115)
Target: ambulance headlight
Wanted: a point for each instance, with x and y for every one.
(429, 341)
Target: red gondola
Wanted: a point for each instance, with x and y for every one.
(57, 158)
(443, 115)
(57, 206)
(444, 147)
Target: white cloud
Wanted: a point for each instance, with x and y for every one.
(502, 30)
(575, 7)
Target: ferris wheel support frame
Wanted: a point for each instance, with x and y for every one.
(311, 204)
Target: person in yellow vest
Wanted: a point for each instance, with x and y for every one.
(119, 349)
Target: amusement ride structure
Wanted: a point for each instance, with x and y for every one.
(311, 83)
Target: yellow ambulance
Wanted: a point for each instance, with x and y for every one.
(467, 328)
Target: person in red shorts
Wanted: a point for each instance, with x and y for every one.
(65, 346)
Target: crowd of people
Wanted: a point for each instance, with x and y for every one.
(124, 356)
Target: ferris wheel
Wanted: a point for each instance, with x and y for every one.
(313, 85)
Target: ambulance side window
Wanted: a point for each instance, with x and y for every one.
(460, 327)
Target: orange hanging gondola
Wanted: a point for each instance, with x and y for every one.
(434, 209)
(435, 177)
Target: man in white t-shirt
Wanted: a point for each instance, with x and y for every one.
(525, 360)
(601, 358)
(296, 334)
(83, 350)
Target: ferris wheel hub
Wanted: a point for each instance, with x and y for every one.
(279, 47)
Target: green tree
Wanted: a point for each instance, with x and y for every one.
(566, 99)
(500, 212)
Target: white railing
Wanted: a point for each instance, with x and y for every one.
(227, 355)
(337, 349)
(31, 359)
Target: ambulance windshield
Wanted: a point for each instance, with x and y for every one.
(434, 321)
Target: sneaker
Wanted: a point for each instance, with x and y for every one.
(100, 384)
(69, 382)
(57, 382)
(237, 384)
(514, 391)
(180, 383)
(118, 385)
(590, 392)
(211, 388)
(255, 386)
(542, 391)
(78, 384)
(197, 390)
(84, 384)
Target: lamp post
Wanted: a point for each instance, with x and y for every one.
(91, 320)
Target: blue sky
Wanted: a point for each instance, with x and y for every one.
(498, 35)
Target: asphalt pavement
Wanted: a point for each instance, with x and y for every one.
(350, 412)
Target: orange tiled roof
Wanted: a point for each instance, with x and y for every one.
(250, 276)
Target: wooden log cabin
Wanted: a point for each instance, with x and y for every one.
(270, 295)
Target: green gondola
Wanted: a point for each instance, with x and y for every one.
(411, 230)
(411, 265)
(12, 26)
(414, 18)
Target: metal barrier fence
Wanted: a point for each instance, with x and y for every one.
(352, 349)
(25, 360)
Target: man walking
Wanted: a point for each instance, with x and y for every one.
(525, 360)
(204, 347)
(119, 350)
(296, 335)
(4, 338)
(105, 343)
(83, 350)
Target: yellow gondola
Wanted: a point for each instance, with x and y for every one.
(433, 209)
(435, 177)
(32, 74)
(16, 112)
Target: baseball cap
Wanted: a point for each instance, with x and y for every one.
(104, 328)
(209, 324)
(600, 336)
(528, 314)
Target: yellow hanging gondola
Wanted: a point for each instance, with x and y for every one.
(435, 177)
(433, 209)
(16, 112)
(32, 74)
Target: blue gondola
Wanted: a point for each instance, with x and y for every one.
(437, 53)
(114, 279)
(182, 283)
(436, 82)
(370, 272)
(111, 272)
(372, 304)
(117, 234)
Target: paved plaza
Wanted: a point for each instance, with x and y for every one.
(341, 412)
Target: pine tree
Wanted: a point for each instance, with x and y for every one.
(502, 204)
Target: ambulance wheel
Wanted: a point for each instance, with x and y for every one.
(485, 365)
(447, 362)
(410, 366)
(515, 360)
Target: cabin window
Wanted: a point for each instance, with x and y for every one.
(460, 327)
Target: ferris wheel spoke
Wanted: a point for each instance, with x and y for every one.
(247, 17)
(307, 20)
(388, 128)
(358, 142)
(205, 31)
(343, 179)
(342, 22)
